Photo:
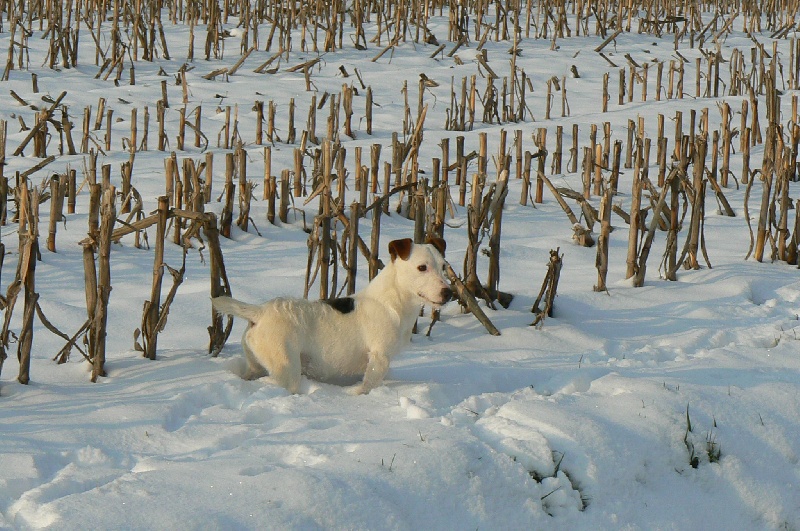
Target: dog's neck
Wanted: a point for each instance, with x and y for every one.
(384, 288)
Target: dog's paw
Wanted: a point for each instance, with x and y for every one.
(356, 390)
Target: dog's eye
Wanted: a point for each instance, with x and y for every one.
(422, 268)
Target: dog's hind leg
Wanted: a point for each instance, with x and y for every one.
(288, 378)
(277, 356)
(284, 367)
(254, 369)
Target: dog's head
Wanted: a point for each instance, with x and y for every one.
(420, 267)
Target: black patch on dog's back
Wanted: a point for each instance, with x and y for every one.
(342, 304)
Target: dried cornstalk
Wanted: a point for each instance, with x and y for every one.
(496, 218)
(638, 278)
(468, 300)
(581, 234)
(108, 215)
(218, 334)
(602, 241)
(25, 279)
(56, 202)
(150, 314)
(549, 288)
(41, 124)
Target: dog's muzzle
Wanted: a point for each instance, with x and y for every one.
(446, 295)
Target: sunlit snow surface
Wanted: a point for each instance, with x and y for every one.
(581, 424)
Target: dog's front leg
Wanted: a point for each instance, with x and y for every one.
(377, 367)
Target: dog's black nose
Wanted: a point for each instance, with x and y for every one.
(446, 295)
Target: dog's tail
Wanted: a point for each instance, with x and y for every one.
(229, 306)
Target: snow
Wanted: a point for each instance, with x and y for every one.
(582, 423)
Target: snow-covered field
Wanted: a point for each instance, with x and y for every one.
(588, 422)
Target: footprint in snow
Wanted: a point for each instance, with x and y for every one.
(506, 432)
(76, 472)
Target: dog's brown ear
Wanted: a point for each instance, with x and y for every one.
(439, 243)
(400, 248)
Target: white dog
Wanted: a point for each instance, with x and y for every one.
(345, 337)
